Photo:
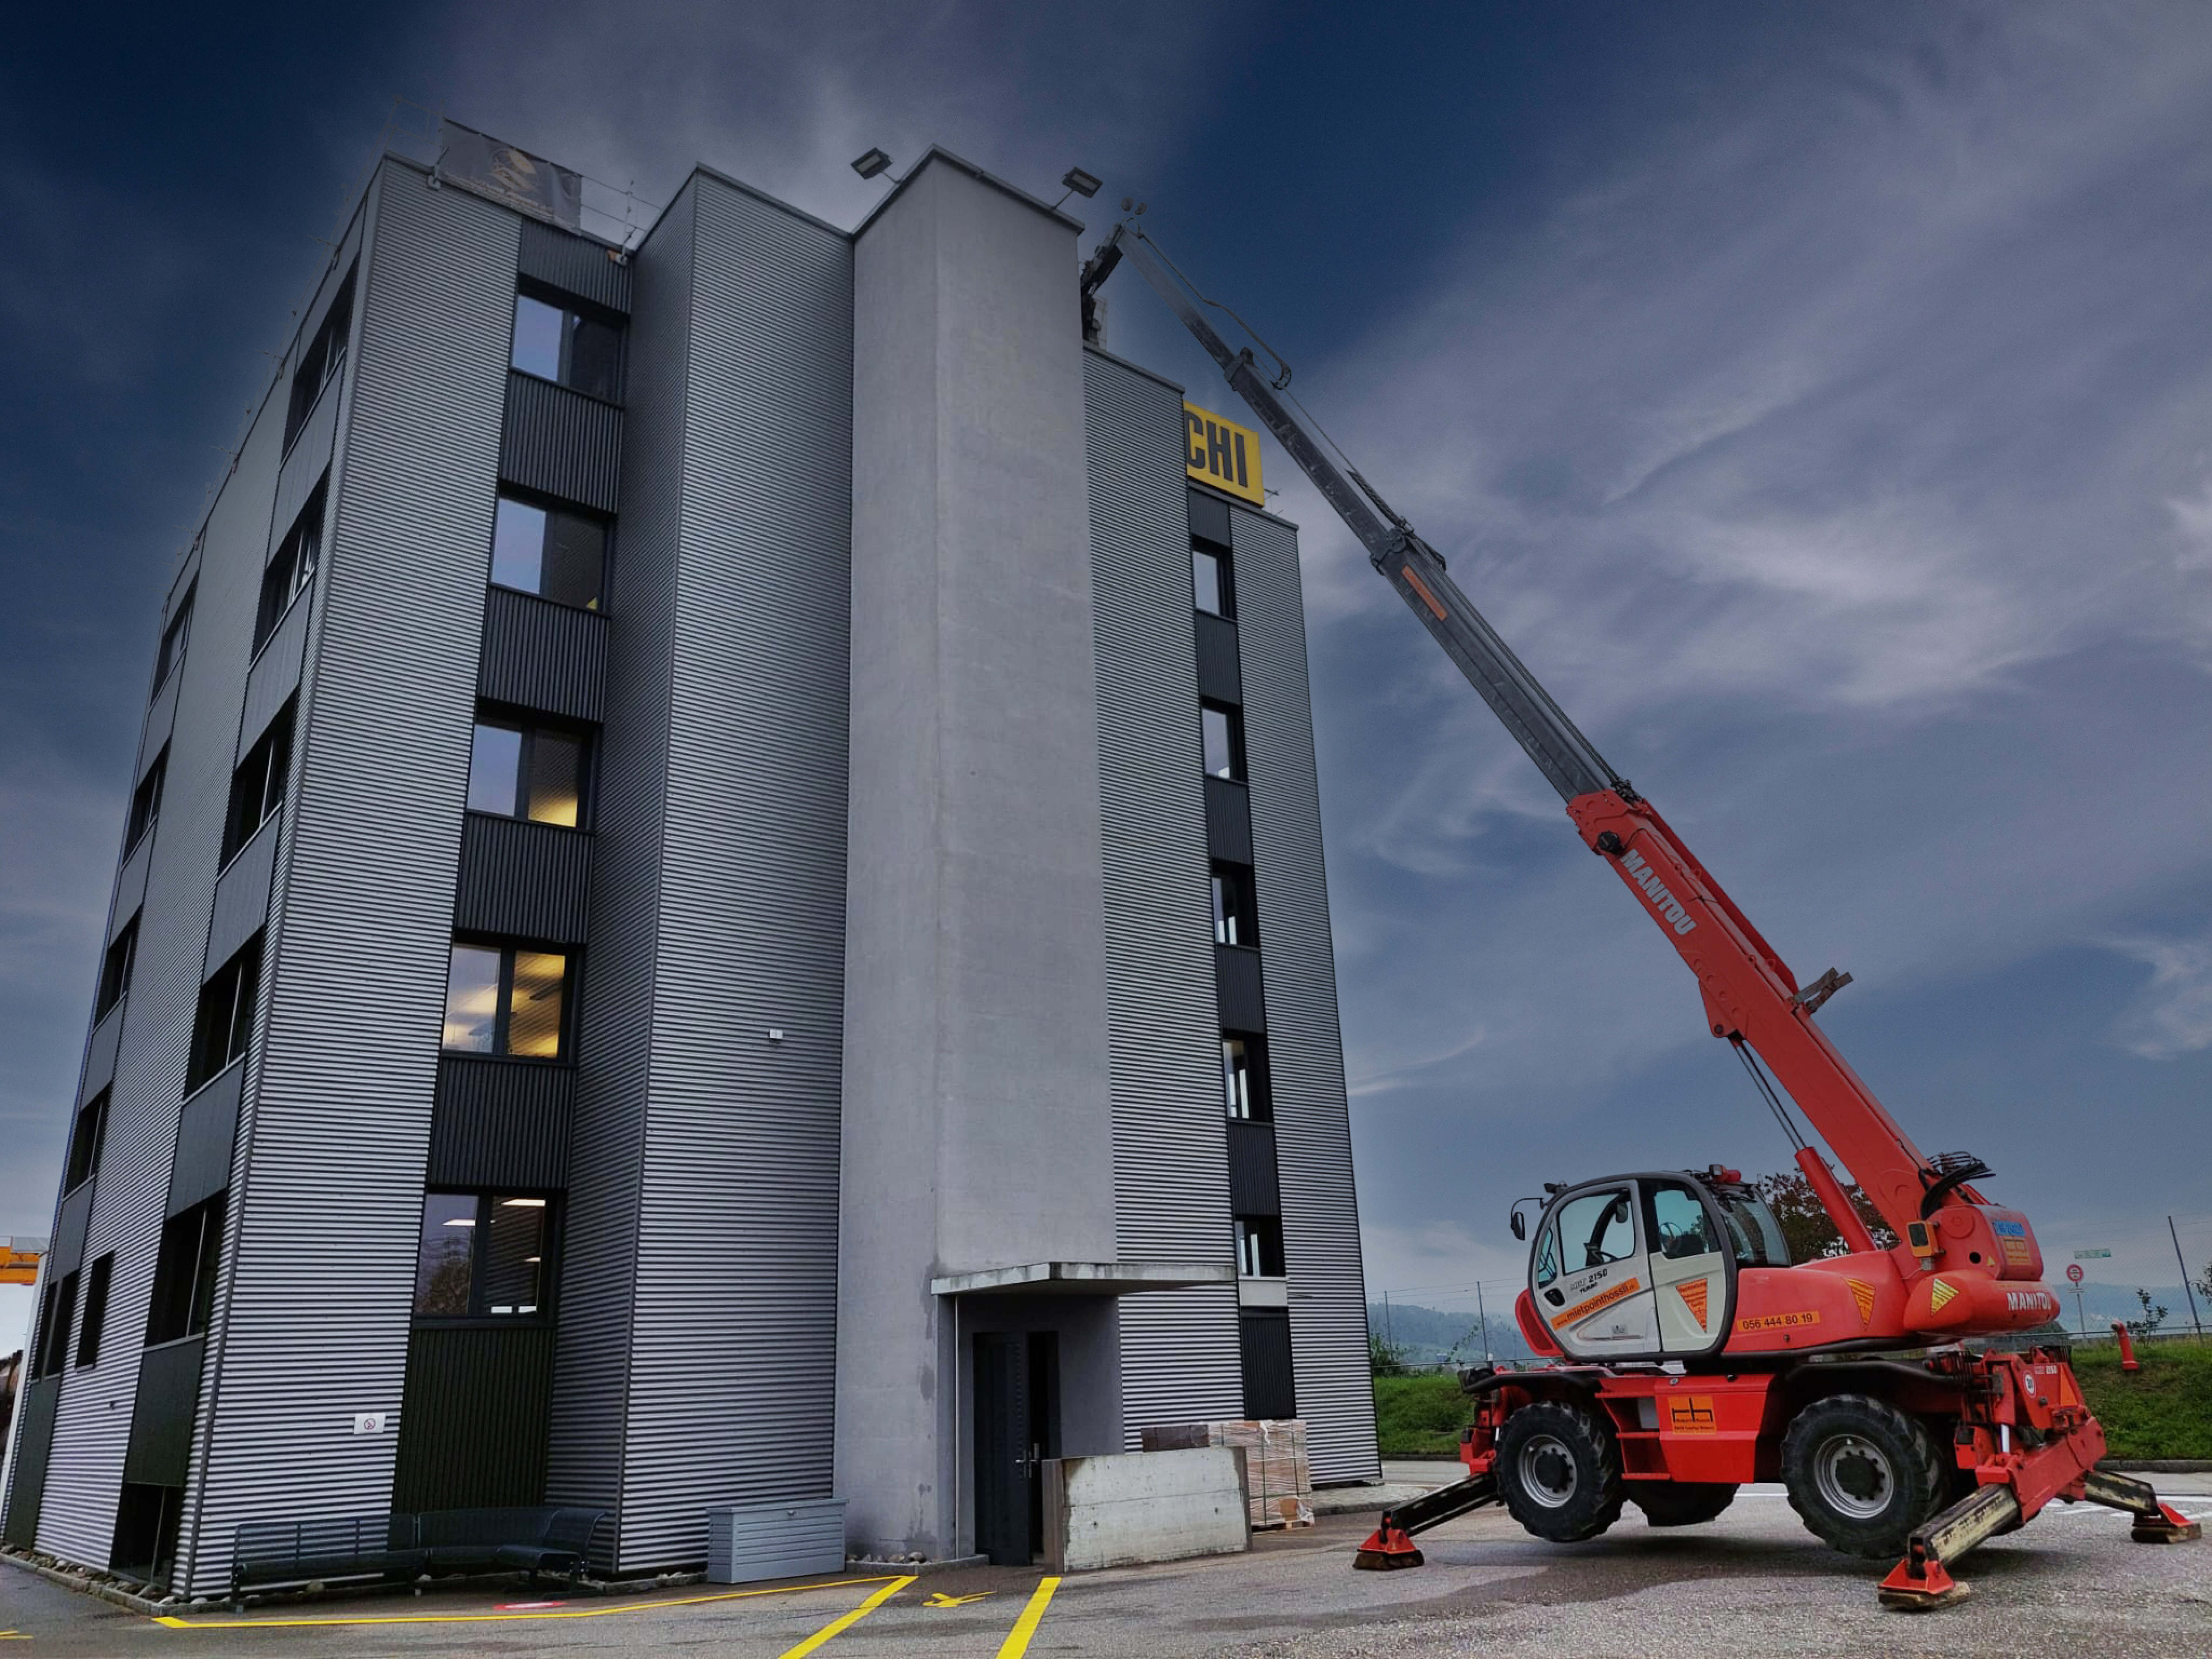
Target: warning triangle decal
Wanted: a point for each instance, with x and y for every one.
(1693, 1292)
(1863, 1295)
(1938, 1294)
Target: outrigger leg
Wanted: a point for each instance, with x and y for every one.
(1390, 1548)
(2155, 1523)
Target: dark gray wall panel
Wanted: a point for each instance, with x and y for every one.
(65, 1253)
(131, 885)
(1254, 1189)
(205, 1135)
(162, 714)
(372, 843)
(241, 894)
(524, 880)
(472, 1434)
(1236, 979)
(1219, 678)
(734, 1328)
(1270, 1368)
(561, 442)
(34, 1437)
(537, 654)
(1228, 820)
(276, 672)
(1179, 1354)
(574, 265)
(161, 1421)
(1305, 1056)
(614, 1050)
(1208, 515)
(501, 1123)
(99, 1052)
(305, 462)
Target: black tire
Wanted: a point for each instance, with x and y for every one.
(1559, 1470)
(1678, 1503)
(1861, 1474)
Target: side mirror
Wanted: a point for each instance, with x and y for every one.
(1520, 1227)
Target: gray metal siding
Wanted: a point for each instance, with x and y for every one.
(241, 893)
(574, 265)
(501, 1123)
(524, 880)
(1179, 1349)
(561, 442)
(734, 1331)
(1305, 1056)
(1238, 991)
(1219, 677)
(357, 957)
(205, 1140)
(275, 673)
(540, 655)
(614, 1045)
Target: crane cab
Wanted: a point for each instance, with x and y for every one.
(1644, 1266)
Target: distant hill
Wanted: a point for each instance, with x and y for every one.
(1439, 1336)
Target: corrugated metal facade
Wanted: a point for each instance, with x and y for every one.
(1305, 1054)
(320, 1274)
(1179, 1354)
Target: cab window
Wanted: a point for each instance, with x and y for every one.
(1593, 1229)
(1679, 1226)
(1755, 1233)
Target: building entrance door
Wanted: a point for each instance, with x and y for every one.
(1016, 1428)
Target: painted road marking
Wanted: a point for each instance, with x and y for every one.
(1017, 1640)
(847, 1621)
(892, 1587)
(939, 1598)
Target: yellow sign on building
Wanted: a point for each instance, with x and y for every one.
(1222, 453)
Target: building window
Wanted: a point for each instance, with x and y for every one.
(225, 1024)
(573, 344)
(146, 801)
(1222, 730)
(52, 1351)
(551, 552)
(173, 639)
(1211, 586)
(1235, 906)
(1259, 1247)
(288, 574)
(1244, 1077)
(506, 999)
(483, 1255)
(257, 788)
(533, 772)
(184, 1273)
(95, 1312)
(84, 1141)
(115, 970)
(320, 362)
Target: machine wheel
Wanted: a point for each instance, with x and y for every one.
(1559, 1470)
(1680, 1503)
(1861, 1474)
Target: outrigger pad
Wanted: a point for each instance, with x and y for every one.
(1388, 1548)
(1935, 1587)
(2168, 1526)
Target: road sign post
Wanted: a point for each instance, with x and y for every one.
(2080, 1317)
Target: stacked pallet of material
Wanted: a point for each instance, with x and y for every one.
(1277, 1475)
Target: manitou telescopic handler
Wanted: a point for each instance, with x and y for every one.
(1692, 1354)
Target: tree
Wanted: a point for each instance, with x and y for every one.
(2154, 1314)
(1807, 1226)
(1384, 1359)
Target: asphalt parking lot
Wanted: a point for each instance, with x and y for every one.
(1752, 1583)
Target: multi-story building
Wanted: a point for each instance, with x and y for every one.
(722, 900)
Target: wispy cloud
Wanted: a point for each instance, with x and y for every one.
(2173, 1015)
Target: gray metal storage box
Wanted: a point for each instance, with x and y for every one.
(793, 1538)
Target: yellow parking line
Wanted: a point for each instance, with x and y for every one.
(847, 1621)
(1018, 1639)
(892, 1588)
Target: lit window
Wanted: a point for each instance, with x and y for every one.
(547, 550)
(1236, 908)
(527, 772)
(1259, 1247)
(1222, 730)
(570, 344)
(506, 999)
(1210, 585)
(483, 1254)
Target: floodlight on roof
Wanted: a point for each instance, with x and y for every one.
(1081, 183)
(873, 162)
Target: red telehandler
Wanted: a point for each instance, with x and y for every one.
(1688, 1353)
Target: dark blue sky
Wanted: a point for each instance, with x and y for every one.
(1819, 398)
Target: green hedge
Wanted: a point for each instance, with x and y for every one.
(2165, 1410)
